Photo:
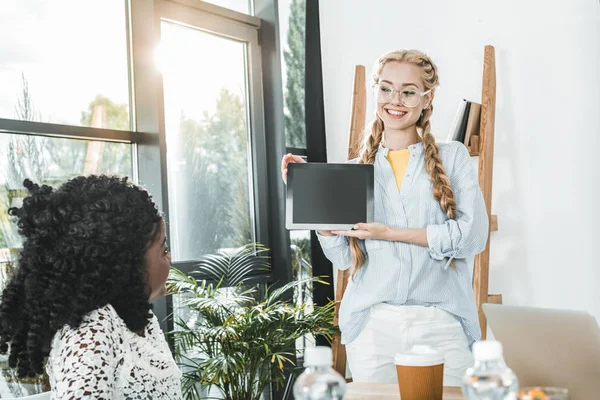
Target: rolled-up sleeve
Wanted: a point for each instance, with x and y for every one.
(337, 250)
(467, 234)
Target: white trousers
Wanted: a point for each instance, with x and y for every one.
(391, 329)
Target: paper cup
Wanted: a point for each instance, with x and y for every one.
(420, 373)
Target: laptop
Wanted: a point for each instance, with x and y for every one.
(329, 196)
(546, 347)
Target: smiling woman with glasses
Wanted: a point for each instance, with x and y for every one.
(410, 281)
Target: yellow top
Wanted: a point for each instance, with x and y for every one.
(399, 161)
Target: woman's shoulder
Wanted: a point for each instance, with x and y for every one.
(105, 315)
(452, 147)
(452, 152)
(103, 320)
(101, 328)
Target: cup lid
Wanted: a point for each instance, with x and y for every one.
(419, 356)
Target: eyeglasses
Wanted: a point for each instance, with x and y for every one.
(408, 97)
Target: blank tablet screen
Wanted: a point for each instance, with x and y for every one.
(329, 196)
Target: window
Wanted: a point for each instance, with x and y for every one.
(206, 121)
(215, 147)
(292, 26)
(61, 59)
(302, 269)
(214, 137)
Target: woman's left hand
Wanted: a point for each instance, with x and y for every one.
(371, 230)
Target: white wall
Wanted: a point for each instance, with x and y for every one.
(546, 174)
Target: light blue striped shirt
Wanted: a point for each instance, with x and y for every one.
(400, 273)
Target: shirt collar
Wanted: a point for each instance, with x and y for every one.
(413, 148)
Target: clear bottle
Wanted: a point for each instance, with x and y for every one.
(489, 378)
(319, 381)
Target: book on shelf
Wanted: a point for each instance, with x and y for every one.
(455, 127)
(462, 127)
(466, 122)
(472, 122)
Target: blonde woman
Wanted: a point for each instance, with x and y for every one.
(411, 280)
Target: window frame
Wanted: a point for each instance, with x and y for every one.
(247, 34)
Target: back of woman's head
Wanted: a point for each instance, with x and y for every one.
(84, 247)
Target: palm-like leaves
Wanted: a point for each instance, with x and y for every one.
(240, 339)
(233, 266)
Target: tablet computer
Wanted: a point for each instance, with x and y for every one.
(324, 196)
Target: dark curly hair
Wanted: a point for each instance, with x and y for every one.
(84, 247)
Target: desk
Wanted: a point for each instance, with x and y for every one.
(385, 391)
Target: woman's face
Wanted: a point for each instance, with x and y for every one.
(158, 262)
(401, 77)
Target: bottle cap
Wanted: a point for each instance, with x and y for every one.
(487, 350)
(319, 355)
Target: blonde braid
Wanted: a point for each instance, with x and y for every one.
(367, 156)
(442, 190)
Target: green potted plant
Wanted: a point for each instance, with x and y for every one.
(236, 337)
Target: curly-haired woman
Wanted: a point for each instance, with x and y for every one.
(430, 215)
(94, 257)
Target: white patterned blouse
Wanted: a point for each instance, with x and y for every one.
(103, 359)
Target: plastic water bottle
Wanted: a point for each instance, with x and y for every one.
(319, 381)
(489, 378)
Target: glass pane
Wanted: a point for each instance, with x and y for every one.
(292, 25)
(301, 259)
(242, 6)
(49, 161)
(68, 50)
(207, 141)
(302, 269)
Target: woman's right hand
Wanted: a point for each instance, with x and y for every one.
(289, 158)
